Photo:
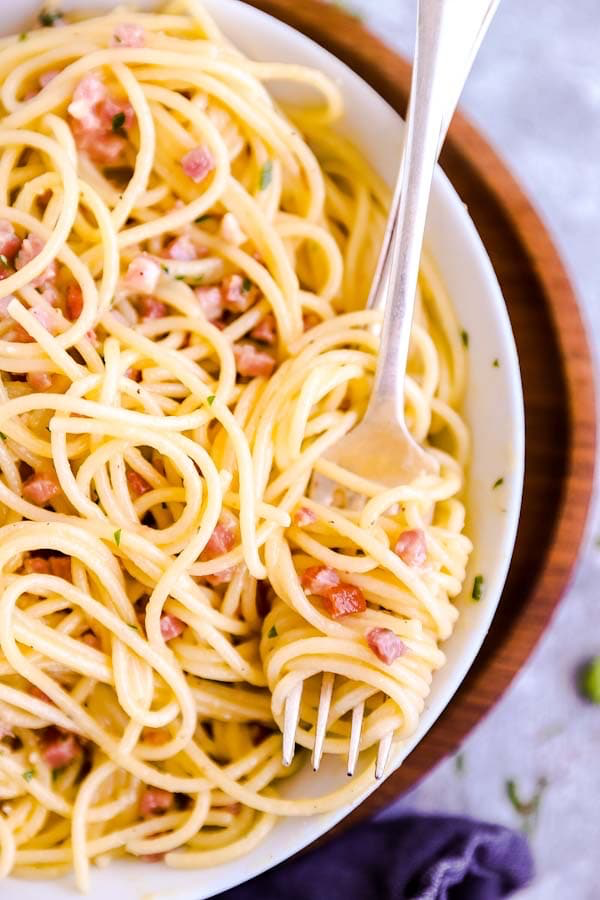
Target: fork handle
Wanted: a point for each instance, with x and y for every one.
(449, 33)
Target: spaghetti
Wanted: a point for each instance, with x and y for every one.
(182, 336)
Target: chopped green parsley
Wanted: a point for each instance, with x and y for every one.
(117, 537)
(29, 774)
(118, 121)
(272, 632)
(589, 680)
(266, 175)
(211, 399)
(464, 336)
(498, 482)
(527, 809)
(477, 587)
(48, 18)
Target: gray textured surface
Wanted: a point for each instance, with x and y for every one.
(535, 92)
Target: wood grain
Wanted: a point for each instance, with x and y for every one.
(558, 385)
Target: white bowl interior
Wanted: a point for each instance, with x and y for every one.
(493, 396)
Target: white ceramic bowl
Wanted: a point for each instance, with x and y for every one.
(494, 399)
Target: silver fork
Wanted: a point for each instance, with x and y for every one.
(380, 448)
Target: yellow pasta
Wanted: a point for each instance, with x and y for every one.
(185, 266)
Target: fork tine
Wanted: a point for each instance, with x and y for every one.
(322, 716)
(291, 715)
(355, 728)
(383, 753)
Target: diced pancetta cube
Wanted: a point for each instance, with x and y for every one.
(151, 308)
(17, 334)
(61, 566)
(386, 645)
(39, 381)
(319, 579)
(47, 317)
(128, 34)
(30, 248)
(231, 230)
(170, 626)
(222, 577)
(91, 640)
(46, 77)
(10, 242)
(198, 163)
(266, 330)
(411, 547)
(88, 94)
(101, 146)
(137, 484)
(156, 736)
(74, 301)
(223, 537)
(238, 293)
(155, 801)
(344, 600)
(35, 691)
(211, 302)
(59, 748)
(142, 274)
(51, 295)
(182, 249)
(41, 488)
(251, 362)
(38, 565)
(304, 516)
(310, 320)
(152, 857)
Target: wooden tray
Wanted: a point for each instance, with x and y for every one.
(558, 386)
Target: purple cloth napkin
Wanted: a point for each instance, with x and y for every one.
(410, 858)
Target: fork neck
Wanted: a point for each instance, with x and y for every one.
(399, 282)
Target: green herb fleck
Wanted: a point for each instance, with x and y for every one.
(498, 482)
(203, 218)
(28, 775)
(527, 809)
(165, 269)
(132, 626)
(23, 36)
(272, 632)
(2, 436)
(266, 174)
(459, 763)
(464, 336)
(211, 399)
(3, 259)
(47, 18)
(496, 363)
(118, 121)
(180, 278)
(477, 587)
(246, 285)
(199, 279)
(117, 537)
(589, 680)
